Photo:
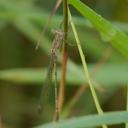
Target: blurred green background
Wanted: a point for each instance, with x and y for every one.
(23, 69)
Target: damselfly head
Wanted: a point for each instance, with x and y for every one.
(58, 32)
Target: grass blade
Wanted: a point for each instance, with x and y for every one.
(117, 38)
(91, 121)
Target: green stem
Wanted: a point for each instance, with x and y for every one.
(126, 126)
(65, 13)
(95, 98)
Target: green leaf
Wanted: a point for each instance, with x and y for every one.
(110, 118)
(109, 74)
(109, 33)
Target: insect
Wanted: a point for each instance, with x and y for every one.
(57, 42)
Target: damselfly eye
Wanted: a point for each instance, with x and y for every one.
(58, 31)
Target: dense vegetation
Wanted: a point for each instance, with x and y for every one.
(97, 72)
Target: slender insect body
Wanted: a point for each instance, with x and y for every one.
(53, 64)
(56, 45)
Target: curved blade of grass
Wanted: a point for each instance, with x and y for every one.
(109, 75)
(118, 39)
(86, 72)
(110, 118)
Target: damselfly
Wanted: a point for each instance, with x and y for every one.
(57, 41)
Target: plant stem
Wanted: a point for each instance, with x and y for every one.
(65, 58)
(95, 98)
(126, 125)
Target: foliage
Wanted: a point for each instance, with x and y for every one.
(20, 27)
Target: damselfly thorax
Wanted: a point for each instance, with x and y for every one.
(57, 41)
